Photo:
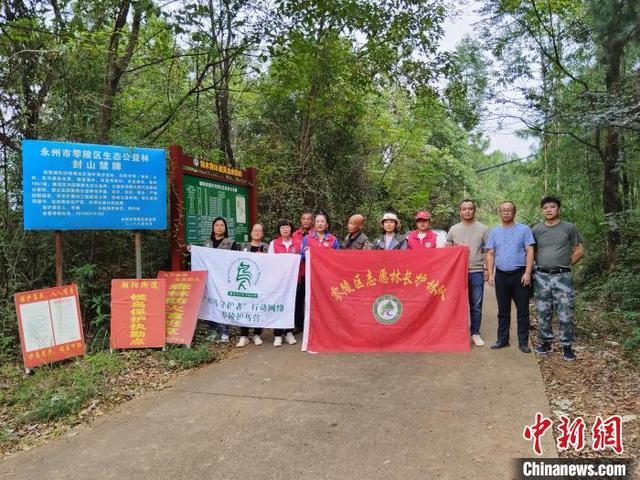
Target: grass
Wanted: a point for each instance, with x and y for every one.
(623, 325)
(57, 391)
(181, 358)
(61, 390)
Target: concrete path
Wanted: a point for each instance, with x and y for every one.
(283, 414)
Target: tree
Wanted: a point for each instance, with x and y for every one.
(390, 41)
(582, 45)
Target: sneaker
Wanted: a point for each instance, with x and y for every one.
(257, 340)
(224, 338)
(213, 336)
(243, 342)
(543, 348)
(477, 340)
(290, 339)
(567, 353)
(277, 341)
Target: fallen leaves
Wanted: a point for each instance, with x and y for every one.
(600, 382)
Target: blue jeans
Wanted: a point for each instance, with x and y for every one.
(476, 292)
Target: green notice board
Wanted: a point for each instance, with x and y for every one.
(205, 200)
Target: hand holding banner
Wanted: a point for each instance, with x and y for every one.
(248, 289)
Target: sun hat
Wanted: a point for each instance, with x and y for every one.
(390, 216)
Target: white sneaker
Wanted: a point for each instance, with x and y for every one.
(277, 341)
(290, 339)
(257, 340)
(477, 341)
(243, 342)
(224, 338)
(213, 336)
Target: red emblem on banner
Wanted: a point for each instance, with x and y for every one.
(184, 295)
(395, 301)
(138, 313)
(50, 325)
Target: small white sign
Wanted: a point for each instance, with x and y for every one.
(241, 209)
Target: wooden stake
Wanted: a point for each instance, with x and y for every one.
(138, 243)
(58, 238)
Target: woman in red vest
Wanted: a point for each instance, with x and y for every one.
(286, 243)
(423, 236)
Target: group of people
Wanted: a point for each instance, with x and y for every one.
(510, 257)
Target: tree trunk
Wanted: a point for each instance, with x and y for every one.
(223, 116)
(304, 144)
(117, 64)
(611, 203)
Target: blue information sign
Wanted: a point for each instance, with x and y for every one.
(77, 186)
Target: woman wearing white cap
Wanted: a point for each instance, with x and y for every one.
(391, 239)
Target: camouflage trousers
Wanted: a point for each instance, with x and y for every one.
(554, 292)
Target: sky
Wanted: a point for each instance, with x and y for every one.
(502, 135)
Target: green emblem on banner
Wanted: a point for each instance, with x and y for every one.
(242, 275)
(387, 309)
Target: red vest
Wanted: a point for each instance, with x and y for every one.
(299, 236)
(279, 247)
(429, 241)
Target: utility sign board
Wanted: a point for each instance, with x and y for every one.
(77, 186)
(205, 199)
(202, 190)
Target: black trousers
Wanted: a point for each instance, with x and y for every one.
(244, 331)
(299, 312)
(509, 287)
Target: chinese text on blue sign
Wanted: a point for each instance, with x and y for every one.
(75, 186)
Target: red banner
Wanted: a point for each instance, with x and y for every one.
(50, 325)
(184, 295)
(138, 313)
(391, 301)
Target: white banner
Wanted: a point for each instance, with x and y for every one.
(248, 289)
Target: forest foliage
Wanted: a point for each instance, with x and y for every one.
(344, 105)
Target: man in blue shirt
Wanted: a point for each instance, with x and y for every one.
(510, 250)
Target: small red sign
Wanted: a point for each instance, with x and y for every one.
(138, 313)
(184, 296)
(50, 325)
